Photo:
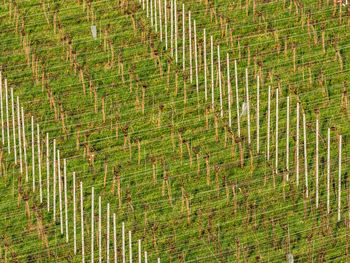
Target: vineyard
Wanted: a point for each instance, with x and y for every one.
(174, 131)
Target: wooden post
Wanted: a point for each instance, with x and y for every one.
(195, 54)
(2, 112)
(248, 104)
(287, 143)
(82, 222)
(92, 222)
(13, 127)
(39, 163)
(220, 89)
(165, 25)
(24, 146)
(328, 169)
(151, 11)
(229, 91)
(33, 153)
(258, 114)
(160, 20)
(54, 179)
(176, 30)
(190, 42)
(317, 160)
(297, 146)
(99, 230)
(147, 8)
(212, 72)
(130, 248)
(183, 37)
(276, 161)
(7, 118)
(237, 101)
(114, 239)
(47, 171)
(140, 259)
(339, 176)
(59, 189)
(205, 65)
(74, 217)
(107, 245)
(268, 122)
(123, 241)
(172, 28)
(305, 158)
(65, 197)
(19, 138)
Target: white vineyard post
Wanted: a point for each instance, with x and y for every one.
(316, 168)
(143, 4)
(160, 20)
(146, 260)
(33, 154)
(140, 258)
(305, 158)
(92, 222)
(248, 104)
(74, 217)
(155, 15)
(339, 176)
(107, 245)
(54, 179)
(24, 145)
(183, 37)
(65, 196)
(7, 118)
(99, 230)
(2, 112)
(151, 10)
(237, 101)
(19, 138)
(328, 168)
(48, 171)
(287, 143)
(39, 164)
(297, 145)
(82, 222)
(195, 54)
(13, 126)
(158, 260)
(176, 30)
(123, 241)
(205, 65)
(268, 122)
(228, 90)
(172, 28)
(130, 248)
(220, 89)
(190, 42)
(59, 189)
(258, 114)
(165, 25)
(114, 238)
(147, 8)
(212, 71)
(276, 161)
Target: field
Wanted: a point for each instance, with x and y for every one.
(216, 131)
